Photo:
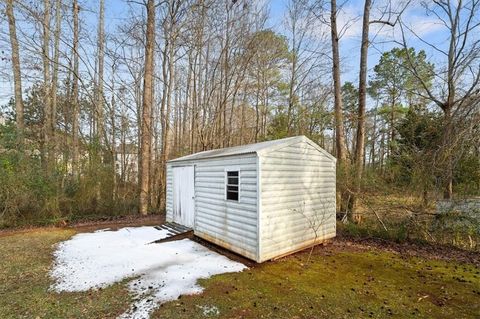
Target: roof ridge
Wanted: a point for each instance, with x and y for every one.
(240, 149)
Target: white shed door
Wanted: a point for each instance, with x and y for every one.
(184, 195)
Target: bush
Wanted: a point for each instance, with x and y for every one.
(457, 228)
(450, 229)
(30, 196)
(397, 233)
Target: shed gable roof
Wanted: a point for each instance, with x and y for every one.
(259, 148)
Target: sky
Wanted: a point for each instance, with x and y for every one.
(382, 37)
(349, 20)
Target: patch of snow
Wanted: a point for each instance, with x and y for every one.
(209, 310)
(159, 272)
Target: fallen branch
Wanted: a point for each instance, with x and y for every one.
(381, 222)
(378, 217)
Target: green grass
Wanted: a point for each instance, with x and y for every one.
(25, 260)
(339, 282)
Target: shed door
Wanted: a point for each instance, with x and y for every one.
(184, 195)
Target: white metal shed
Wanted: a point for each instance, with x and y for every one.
(261, 200)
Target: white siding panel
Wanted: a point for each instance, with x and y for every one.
(230, 224)
(169, 194)
(297, 198)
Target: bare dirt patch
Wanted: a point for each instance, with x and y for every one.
(113, 223)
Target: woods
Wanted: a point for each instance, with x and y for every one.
(96, 101)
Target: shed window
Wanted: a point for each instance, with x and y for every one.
(232, 185)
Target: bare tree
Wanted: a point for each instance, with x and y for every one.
(362, 101)
(315, 221)
(168, 70)
(146, 128)
(75, 98)
(113, 143)
(359, 163)
(56, 57)
(17, 77)
(47, 124)
(341, 147)
(100, 130)
(459, 79)
(223, 78)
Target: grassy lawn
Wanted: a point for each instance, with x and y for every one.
(341, 281)
(25, 260)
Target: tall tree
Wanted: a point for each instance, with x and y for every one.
(340, 144)
(147, 104)
(457, 92)
(306, 56)
(362, 94)
(100, 136)
(396, 87)
(100, 130)
(56, 57)
(17, 77)
(168, 71)
(48, 120)
(75, 98)
(113, 138)
(362, 101)
(270, 54)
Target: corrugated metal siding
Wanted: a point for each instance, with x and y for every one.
(230, 224)
(169, 194)
(298, 191)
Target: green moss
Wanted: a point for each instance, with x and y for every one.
(341, 284)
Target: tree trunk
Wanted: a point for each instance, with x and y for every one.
(170, 87)
(392, 126)
(257, 111)
(448, 191)
(194, 101)
(100, 136)
(17, 77)
(99, 94)
(362, 100)
(340, 145)
(146, 129)
(75, 124)
(374, 133)
(56, 57)
(113, 145)
(291, 92)
(47, 123)
(449, 105)
(382, 151)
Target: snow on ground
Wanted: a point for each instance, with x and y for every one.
(159, 272)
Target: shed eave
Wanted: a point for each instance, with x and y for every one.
(193, 159)
(257, 148)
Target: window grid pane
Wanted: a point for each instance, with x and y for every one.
(232, 196)
(232, 174)
(232, 188)
(233, 180)
(232, 184)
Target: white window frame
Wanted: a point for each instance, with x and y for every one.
(232, 169)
